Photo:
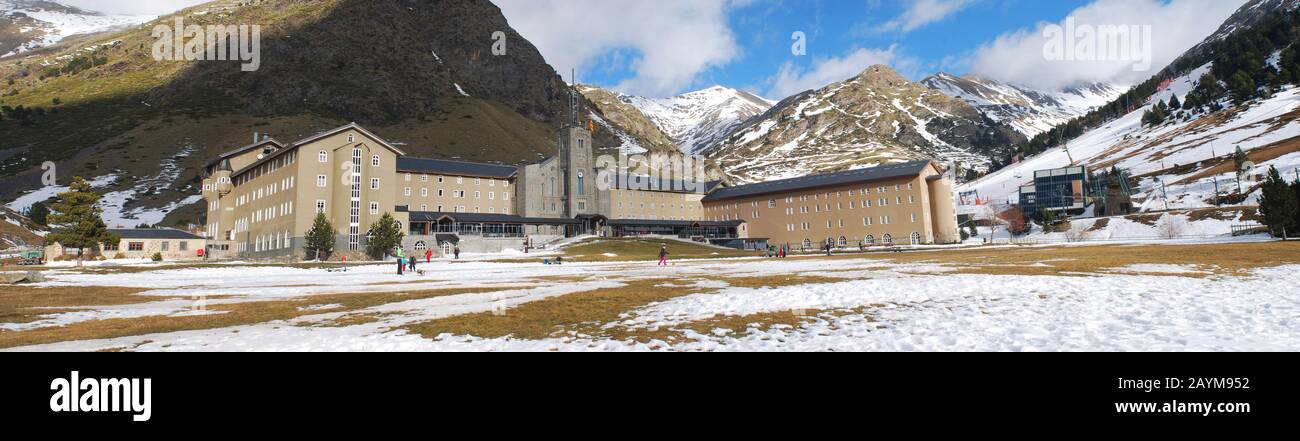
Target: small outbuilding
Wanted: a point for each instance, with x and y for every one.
(143, 243)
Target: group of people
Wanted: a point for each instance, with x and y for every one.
(778, 252)
(407, 263)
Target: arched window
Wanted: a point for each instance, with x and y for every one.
(420, 246)
(887, 240)
(580, 186)
(916, 238)
(844, 241)
(869, 240)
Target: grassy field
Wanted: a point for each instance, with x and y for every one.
(597, 312)
(600, 250)
(232, 314)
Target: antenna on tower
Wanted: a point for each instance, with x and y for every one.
(573, 97)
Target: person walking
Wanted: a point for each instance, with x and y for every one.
(456, 252)
(401, 265)
(412, 262)
(663, 256)
(428, 255)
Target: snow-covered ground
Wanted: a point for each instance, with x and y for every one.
(879, 305)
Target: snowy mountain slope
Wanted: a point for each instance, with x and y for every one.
(1027, 110)
(877, 117)
(1177, 163)
(636, 132)
(1246, 16)
(26, 25)
(697, 120)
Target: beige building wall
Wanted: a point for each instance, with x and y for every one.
(325, 172)
(863, 211)
(265, 207)
(455, 194)
(655, 205)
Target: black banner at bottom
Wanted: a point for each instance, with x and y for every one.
(322, 392)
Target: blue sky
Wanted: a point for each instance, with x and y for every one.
(667, 47)
(836, 27)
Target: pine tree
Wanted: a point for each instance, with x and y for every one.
(1295, 188)
(1243, 87)
(1173, 102)
(384, 236)
(76, 220)
(1278, 205)
(38, 213)
(320, 238)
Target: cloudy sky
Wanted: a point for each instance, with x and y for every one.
(667, 47)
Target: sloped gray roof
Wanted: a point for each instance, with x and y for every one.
(816, 181)
(152, 233)
(454, 168)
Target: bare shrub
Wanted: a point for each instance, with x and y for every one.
(1171, 227)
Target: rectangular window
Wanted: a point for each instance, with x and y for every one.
(406, 191)
(374, 183)
(320, 206)
(320, 180)
(182, 246)
(424, 192)
(322, 156)
(135, 246)
(913, 217)
(166, 246)
(374, 208)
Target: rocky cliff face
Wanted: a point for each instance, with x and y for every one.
(874, 118)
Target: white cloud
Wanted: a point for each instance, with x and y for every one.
(674, 41)
(792, 79)
(923, 12)
(1176, 26)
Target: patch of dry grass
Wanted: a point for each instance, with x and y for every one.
(234, 314)
(647, 250)
(1229, 258)
(18, 303)
(581, 312)
(779, 280)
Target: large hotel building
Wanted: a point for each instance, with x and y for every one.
(262, 198)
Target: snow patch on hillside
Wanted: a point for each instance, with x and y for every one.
(57, 25)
